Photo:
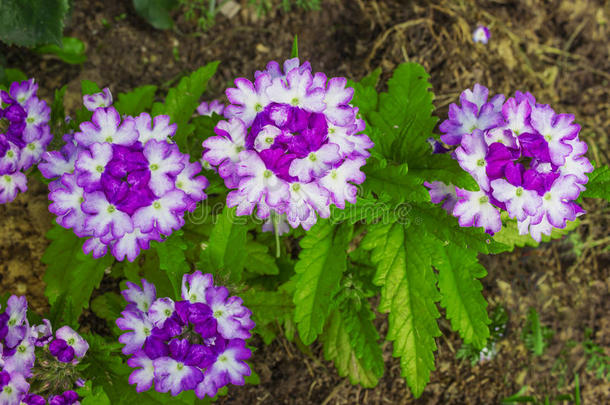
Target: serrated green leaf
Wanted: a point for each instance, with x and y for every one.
(156, 12)
(337, 348)
(408, 294)
(259, 260)
(442, 167)
(599, 184)
(32, 22)
(182, 101)
(108, 306)
(136, 101)
(394, 181)
(461, 292)
(404, 116)
(89, 87)
(365, 93)
(267, 308)
(321, 263)
(12, 75)
(69, 271)
(225, 255)
(72, 50)
(172, 259)
(92, 396)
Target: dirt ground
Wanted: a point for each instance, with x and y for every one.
(559, 51)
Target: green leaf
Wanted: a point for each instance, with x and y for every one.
(599, 184)
(12, 75)
(365, 93)
(32, 22)
(93, 396)
(182, 101)
(156, 12)
(338, 349)
(108, 306)
(172, 259)
(69, 271)
(295, 48)
(136, 101)
(268, 307)
(394, 181)
(89, 87)
(404, 116)
(225, 255)
(408, 293)
(321, 264)
(259, 260)
(458, 270)
(72, 50)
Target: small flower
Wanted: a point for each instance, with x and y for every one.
(481, 34)
(68, 345)
(12, 388)
(98, 100)
(213, 107)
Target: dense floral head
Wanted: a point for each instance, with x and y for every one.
(197, 343)
(24, 136)
(121, 182)
(34, 362)
(525, 158)
(292, 144)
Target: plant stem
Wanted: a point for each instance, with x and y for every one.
(276, 229)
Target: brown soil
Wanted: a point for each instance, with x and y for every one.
(557, 50)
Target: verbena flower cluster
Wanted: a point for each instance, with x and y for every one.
(292, 144)
(36, 366)
(24, 136)
(121, 182)
(525, 158)
(197, 343)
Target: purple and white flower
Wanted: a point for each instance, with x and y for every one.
(24, 136)
(526, 159)
(23, 377)
(121, 182)
(197, 343)
(481, 34)
(292, 144)
(212, 107)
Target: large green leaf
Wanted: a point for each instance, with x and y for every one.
(409, 295)
(69, 272)
(404, 116)
(458, 270)
(318, 272)
(339, 350)
(72, 50)
(182, 101)
(32, 22)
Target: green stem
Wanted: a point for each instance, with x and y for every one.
(276, 229)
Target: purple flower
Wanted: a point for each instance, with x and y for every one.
(481, 34)
(529, 162)
(16, 323)
(24, 136)
(122, 183)
(13, 388)
(176, 344)
(67, 398)
(213, 107)
(98, 100)
(33, 399)
(68, 345)
(292, 144)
